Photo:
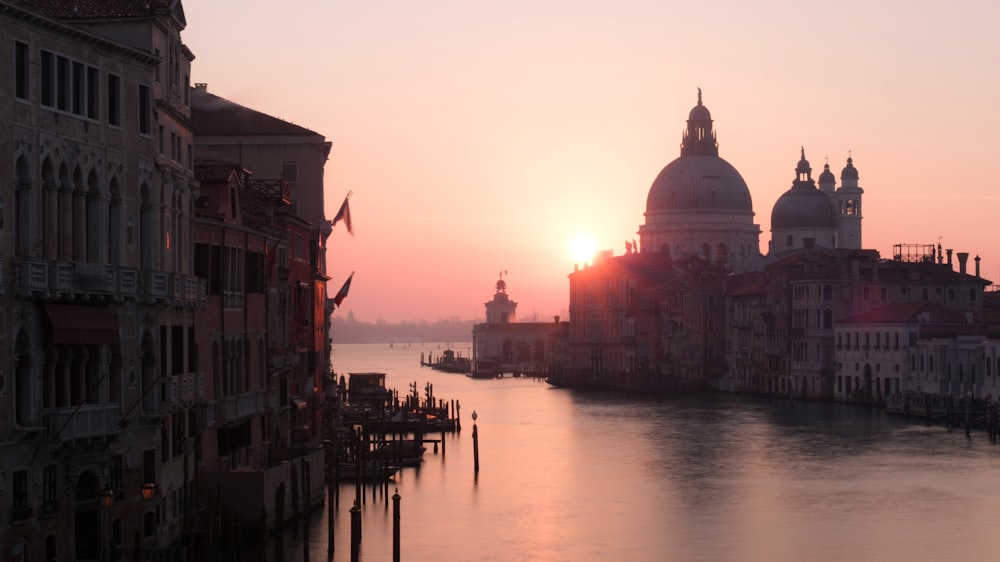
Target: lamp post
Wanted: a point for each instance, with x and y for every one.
(475, 441)
(107, 500)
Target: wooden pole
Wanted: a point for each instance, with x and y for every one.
(395, 526)
(331, 484)
(355, 533)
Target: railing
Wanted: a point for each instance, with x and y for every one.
(154, 284)
(57, 278)
(81, 422)
(244, 405)
(187, 387)
(205, 415)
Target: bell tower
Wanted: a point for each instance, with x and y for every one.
(849, 208)
(501, 310)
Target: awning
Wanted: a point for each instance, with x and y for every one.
(82, 324)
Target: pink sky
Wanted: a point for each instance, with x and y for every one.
(480, 137)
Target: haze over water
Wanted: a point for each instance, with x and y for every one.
(568, 475)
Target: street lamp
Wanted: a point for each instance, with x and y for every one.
(107, 497)
(107, 500)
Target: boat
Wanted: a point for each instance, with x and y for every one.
(400, 452)
(449, 362)
(485, 369)
(370, 470)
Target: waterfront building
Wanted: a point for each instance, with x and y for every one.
(276, 150)
(745, 300)
(245, 458)
(719, 314)
(99, 372)
(698, 228)
(503, 345)
(890, 350)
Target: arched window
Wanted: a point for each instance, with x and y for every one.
(114, 223)
(145, 228)
(94, 222)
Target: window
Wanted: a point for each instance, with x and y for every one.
(144, 109)
(19, 495)
(62, 83)
(256, 274)
(290, 171)
(49, 481)
(114, 100)
(47, 80)
(93, 96)
(79, 84)
(22, 74)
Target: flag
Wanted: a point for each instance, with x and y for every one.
(342, 293)
(344, 214)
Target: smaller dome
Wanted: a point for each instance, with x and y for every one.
(827, 176)
(699, 113)
(803, 207)
(849, 172)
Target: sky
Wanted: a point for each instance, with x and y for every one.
(480, 137)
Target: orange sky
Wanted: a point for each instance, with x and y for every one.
(480, 137)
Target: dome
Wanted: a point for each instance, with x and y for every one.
(699, 183)
(849, 172)
(803, 207)
(827, 176)
(699, 113)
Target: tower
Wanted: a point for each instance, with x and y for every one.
(500, 310)
(849, 208)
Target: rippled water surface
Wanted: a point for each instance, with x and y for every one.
(570, 475)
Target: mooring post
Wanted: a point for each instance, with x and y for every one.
(331, 484)
(968, 413)
(475, 440)
(355, 533)
(395, 526)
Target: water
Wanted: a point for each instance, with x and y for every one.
(571, 475)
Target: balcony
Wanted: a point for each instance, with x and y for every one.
(205, 415)
(189, 387)
(58, 279)
(231, 408)
(81, 422)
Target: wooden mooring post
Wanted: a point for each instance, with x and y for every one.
(395, 526)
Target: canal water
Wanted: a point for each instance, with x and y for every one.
(578, 476)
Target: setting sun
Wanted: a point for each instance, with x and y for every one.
(582, 248)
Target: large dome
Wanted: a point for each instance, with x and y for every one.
(703, 183)
(803, 207)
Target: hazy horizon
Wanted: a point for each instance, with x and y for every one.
(484, 138)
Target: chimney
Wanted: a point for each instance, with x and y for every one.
(963, 258)
(557, 319)
(948, 251)
(977, 266)
(203, 86)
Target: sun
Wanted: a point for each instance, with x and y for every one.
(581, 248)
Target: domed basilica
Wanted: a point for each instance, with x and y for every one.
(699, 205)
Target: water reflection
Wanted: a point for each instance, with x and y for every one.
(571, 475)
